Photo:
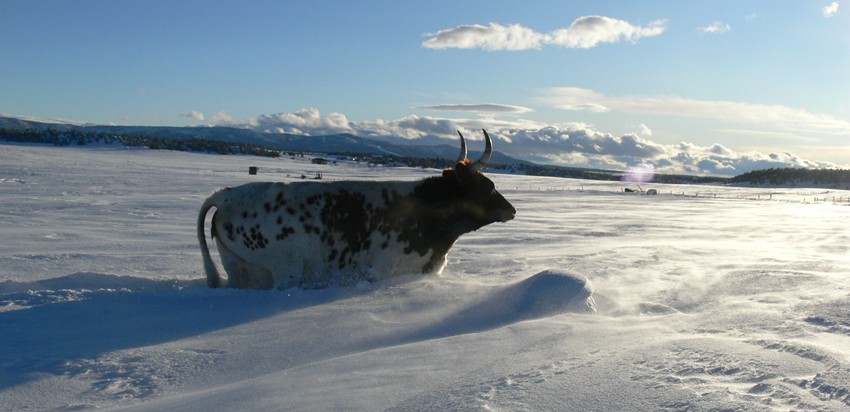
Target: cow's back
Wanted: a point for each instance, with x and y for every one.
(312, 234)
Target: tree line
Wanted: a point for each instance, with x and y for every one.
(779, 176)
(83, 138)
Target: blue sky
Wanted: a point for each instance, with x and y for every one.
(695, 87)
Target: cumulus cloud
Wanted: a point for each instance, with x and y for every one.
(194, 114)
(305, 121)
(783, 117)
(831, 9)
(583, 140)
(585, 32)
(573, 144)
(308, 121)
(715, 28)
(477, 108)
(409, 127)
(311, 122)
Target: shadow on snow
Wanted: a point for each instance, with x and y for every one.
(47, 323)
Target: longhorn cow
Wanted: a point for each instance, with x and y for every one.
(316, 234)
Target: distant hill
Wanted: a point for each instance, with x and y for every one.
(83, 138)
(340, 143)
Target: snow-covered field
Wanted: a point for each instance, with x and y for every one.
(726, 301)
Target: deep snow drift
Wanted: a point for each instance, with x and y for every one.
(591, 299)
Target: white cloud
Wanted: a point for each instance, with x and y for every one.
(310, 122)
(477, 108)
(589, 31)
(305, 121)
(409, 127)
(644, 130)
(830, 10)
(222, 118)
(194, 114)
(583, 140)
(492, 37)
(585, 32)
(715, 28)
(782, 117)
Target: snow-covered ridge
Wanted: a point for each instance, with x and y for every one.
(48, 120)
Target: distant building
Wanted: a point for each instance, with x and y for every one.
(319, 161)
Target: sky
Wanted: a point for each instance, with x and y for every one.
(698, 87)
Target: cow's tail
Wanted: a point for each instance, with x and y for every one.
(213, 278)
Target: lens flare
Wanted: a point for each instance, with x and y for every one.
(642, 173)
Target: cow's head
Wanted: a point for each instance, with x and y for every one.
(477, 194)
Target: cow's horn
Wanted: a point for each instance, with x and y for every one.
(462, 156)
(488, 153)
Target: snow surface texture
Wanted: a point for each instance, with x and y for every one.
(726, 301)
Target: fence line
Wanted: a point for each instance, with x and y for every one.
(780, 197)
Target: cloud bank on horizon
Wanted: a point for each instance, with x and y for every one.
(575, 144)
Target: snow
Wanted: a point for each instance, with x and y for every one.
(699, 298)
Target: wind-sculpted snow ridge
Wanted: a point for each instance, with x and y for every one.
(92, 280)
(79, 286)
(544, 294)
(541, 295)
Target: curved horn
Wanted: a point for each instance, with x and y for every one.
(462, 155)
(488, 153)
